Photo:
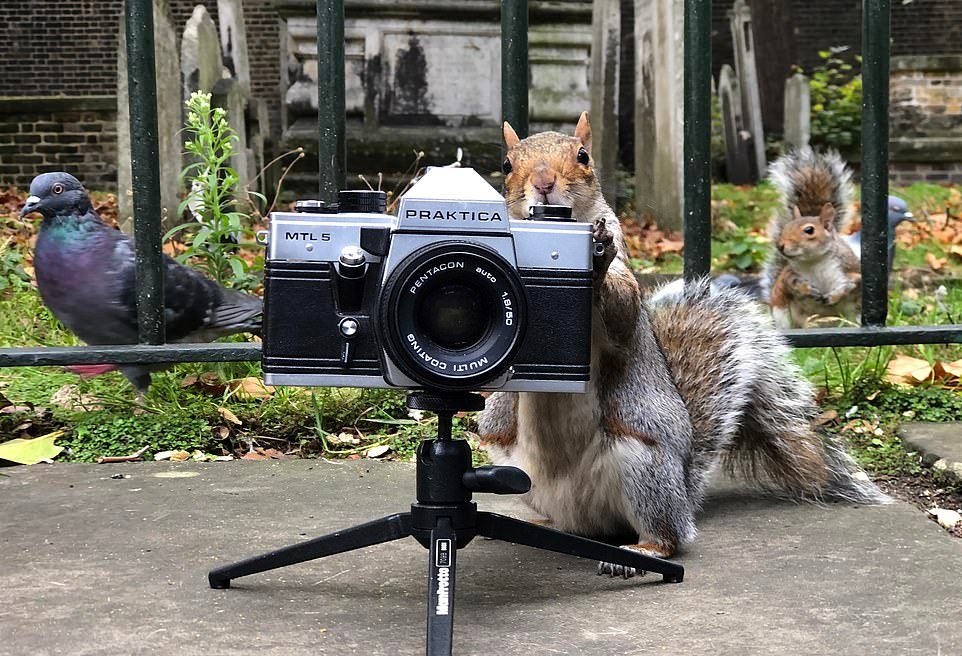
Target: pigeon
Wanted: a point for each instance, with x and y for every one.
(86, 276)
(898, 212)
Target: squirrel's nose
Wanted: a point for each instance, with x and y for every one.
(544, 184)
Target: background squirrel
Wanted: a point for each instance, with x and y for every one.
(813, 270)
(675, 388)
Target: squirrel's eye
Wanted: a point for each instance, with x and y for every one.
(506, 166)
(809, 230)
(583, 158)
(58, 188)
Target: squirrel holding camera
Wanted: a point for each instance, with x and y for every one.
(813, 272)
(676, 388)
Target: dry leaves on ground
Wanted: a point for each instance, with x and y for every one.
(906, 370)
(258, 453)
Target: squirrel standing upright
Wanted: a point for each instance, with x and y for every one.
(675, 389)
(812, 271)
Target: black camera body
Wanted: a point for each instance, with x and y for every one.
(450, 294)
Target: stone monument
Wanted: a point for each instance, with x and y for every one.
(605, 56)
(168, 120)
(659, 118)
(744, 45)
(798, 111)
(738, 147)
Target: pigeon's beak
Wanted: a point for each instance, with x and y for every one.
(908, 216)
(32, 203)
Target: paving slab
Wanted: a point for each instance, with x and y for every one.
(93, 565)
(940, 444)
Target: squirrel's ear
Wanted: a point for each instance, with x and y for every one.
(583, 131)
(827, 215)
(797, 212)
(510, 136)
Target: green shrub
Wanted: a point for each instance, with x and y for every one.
(836, 93)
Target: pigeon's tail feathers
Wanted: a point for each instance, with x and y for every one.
(238, 313)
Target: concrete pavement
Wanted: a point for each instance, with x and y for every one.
(92, 565)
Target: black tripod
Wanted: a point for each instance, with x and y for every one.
(444, 519)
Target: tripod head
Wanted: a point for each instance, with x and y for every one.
(445, 474)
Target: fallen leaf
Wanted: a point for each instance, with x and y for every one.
(221, 432)
(163, 455)
(905, 370)
(253, 455)
(826, 417)
(378, 451)
(14, 409)
(343, 438)
(953, 368)
(179, 456)
(208, 383)
(250, 388)
(30, 452)
(955, 249)
(229, 416)
(69, 397)
(935, 262)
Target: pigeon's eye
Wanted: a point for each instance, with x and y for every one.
(506, 166)
(57, 189)
(809, 229)
(583, 158)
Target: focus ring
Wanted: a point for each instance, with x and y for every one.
(425, 273)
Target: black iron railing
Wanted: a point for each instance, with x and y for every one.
(514, 99)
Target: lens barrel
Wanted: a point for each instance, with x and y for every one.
(451, 315)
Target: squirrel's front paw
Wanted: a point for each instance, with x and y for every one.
(602, 236)
(839, 293)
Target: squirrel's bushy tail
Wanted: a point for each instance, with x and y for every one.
(750, 408)
(808, 180)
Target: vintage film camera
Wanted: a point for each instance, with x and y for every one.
(448, 295)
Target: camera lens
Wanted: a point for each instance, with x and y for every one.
(451, 315)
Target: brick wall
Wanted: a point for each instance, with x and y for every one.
(918, 28)
(263, 56)
(44, 134)
(58, 47)
(924, 119)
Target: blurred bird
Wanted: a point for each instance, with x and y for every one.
(898, 211)
(86, 276)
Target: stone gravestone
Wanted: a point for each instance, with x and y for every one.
(168, 120)
(233, 41)
(798, 111)
(229, 94)
(605, 52)
(737, 142)
(744, 46)
(200, 57)
(659, 119)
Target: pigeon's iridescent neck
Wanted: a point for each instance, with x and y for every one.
(70, 227)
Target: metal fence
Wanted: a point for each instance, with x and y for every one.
(514, 99)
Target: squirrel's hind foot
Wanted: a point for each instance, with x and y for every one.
(647, 549)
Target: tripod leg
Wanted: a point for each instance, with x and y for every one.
(392, 527)
(441, 563)
(499, 527)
